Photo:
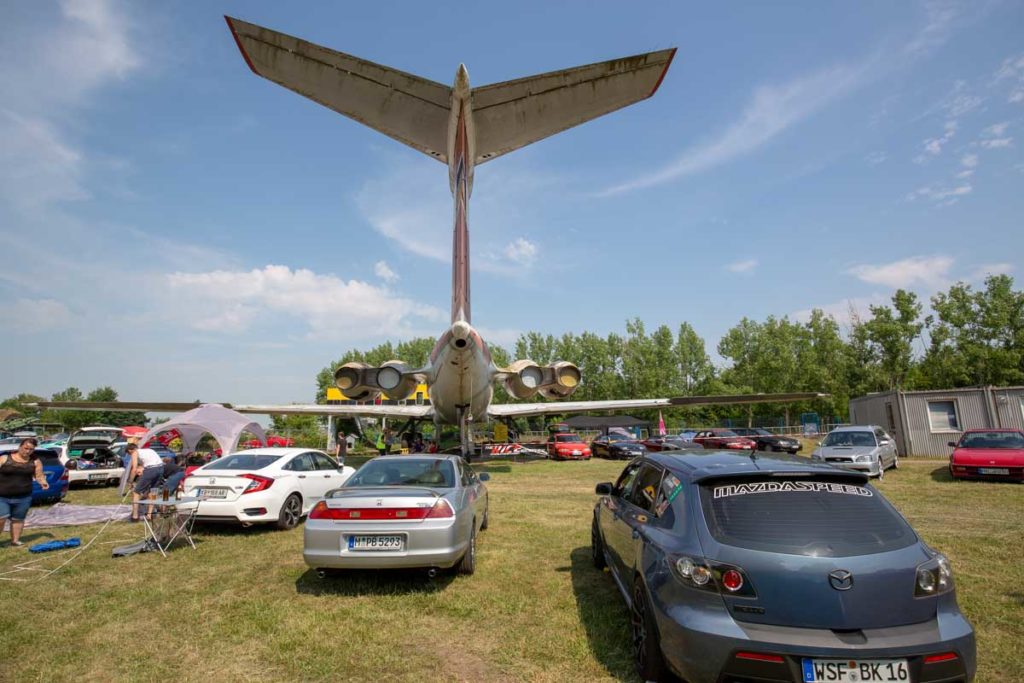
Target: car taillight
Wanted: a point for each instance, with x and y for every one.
(66, 476)
(712, 576)
(441, 509)
(760, 657)
(934, 577)
(257, 484)
(944, 657)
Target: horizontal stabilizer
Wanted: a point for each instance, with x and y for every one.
(405, 107)
(515, 113)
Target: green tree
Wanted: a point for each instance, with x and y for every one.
(892, 333)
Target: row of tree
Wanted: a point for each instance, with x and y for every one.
(75, 419)
(970, 337)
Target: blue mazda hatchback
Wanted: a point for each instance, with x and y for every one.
(755, 567)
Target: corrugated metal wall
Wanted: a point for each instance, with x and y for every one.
(976, 408)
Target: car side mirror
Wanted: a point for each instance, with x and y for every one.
(819, 443)
(884, 442)
(603, 489)
(952, 444)
(484, 476)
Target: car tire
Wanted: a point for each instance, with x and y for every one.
(647, 657)
(596, 547)
(467, 565)
(896, 461)
(290, 514)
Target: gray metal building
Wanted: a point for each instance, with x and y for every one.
(924, 422)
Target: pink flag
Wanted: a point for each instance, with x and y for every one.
(661, 424)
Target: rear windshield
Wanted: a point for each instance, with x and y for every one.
(849, 439)
(242, 461)
(567, 438)
(992, 440)
(813, 517)
(404, 472)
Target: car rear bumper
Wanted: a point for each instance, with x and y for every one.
(252, 508)
(709, 645)
(95, 476)
(973, 472)
(430, 543)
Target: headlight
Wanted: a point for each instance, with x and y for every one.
(934, 577)
(816, 455)
(864, 458)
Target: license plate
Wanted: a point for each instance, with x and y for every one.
(577, 453)
(209, 494)
(97, 477)
(855, 671)
(389, 543)
(993, 470)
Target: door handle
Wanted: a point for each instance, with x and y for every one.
(636, 534)
(302, 476)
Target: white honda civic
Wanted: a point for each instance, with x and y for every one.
(262, 485)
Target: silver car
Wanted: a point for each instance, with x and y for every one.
(400, 511)
(863, 448)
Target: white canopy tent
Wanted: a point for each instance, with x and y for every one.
(223, 424)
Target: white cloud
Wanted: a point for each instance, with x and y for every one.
(939, 19)
(771, 111)
(963, 175)
(876, 158)
(941, 195)
(931, 271)
(969, 160)
(521, 251)
(330, 308)
(934, 146)
(744, 266)
(382, 270)
(996, 129)
(843, 312)
(1012, 70)
(996, 143)
(983, 271)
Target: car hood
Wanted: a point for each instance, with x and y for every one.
(836, 451)
(1012, 457)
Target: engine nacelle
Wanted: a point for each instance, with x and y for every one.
(560, 380)
(354, 380)
(394, 379)
(524, 379)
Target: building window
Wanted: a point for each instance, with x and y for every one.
(942, 416)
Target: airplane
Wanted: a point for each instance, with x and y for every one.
(462, 127)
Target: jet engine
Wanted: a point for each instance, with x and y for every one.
(525, 378)
(395, 379)
(561, 379)
(363, 382)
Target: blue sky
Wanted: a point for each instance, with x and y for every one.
(179, 228)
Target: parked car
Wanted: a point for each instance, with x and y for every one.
(567, 446)
(863, 448)
(616, 447)
(264, 485)
(988, 454)
(92, 457)
(667, 443)
(774, 569)
(724, 438)
(766, 441)
(55, 472)
(401, 511)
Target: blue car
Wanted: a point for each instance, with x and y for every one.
(750, 567)
(55, 472)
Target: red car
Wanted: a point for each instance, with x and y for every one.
(567, 446)
(988, 454)
(724, 439)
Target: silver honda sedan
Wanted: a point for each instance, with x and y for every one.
(400, 511)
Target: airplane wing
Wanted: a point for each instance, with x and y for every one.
(568, 407)
(405, 107)
(344, 410)
(513, 114)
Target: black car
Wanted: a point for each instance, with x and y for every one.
(766, 441)
(616, 447)
(756, 567)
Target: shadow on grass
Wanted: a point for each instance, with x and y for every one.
(355, 582)
(941, 474)
(603, 615)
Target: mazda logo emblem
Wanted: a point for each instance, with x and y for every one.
(380, 501)
(841, 579)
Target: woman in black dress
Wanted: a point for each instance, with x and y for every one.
(17, 470)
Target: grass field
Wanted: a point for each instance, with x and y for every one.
(245, 607)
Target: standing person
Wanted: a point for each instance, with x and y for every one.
(382, 446)
(341, 448)
(17, 470)
(148, 469)
(389, 441)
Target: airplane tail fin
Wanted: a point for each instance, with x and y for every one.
(405, 107)
(516, 113)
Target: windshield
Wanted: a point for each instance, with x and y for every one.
(992, 440)
(762, 432)
(242, 461)
(724, 432)
(812, 517)
(619, 437)
(567, 438)
(98, 434)
(404, 472)
(849, 439)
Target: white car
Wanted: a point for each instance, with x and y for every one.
(261, 485)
